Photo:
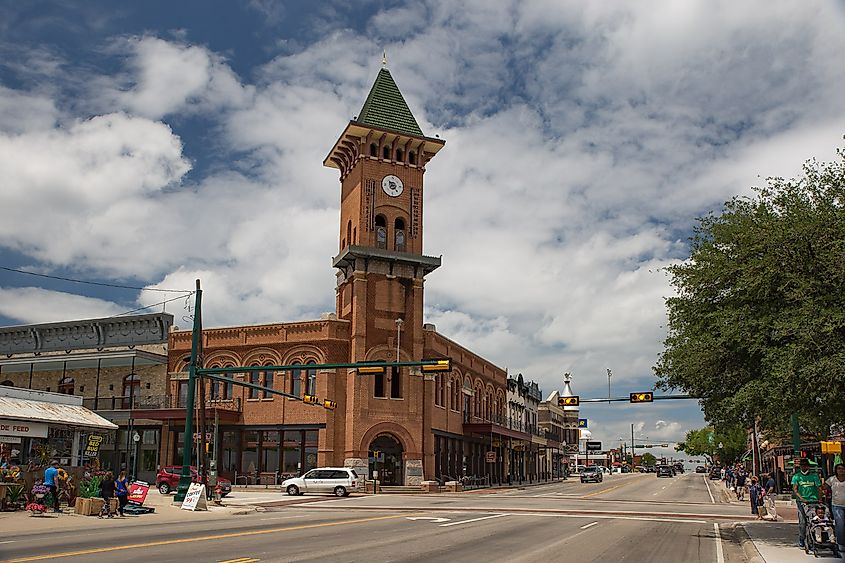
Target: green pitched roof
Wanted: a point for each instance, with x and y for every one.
(386, 108)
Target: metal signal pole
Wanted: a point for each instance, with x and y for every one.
(185, 477)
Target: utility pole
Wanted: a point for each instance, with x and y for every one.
(633, 447)
(185, 477)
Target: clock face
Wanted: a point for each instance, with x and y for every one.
(392, 185)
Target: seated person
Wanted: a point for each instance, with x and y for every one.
(821, 524)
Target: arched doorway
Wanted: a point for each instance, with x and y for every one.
(389, 463)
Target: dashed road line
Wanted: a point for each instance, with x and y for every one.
(590, 525)
(472, 520)
(720, 553)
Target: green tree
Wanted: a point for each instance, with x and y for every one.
(649, 459)
(705, 442)
(757, 328)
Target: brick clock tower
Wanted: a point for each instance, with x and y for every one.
(381, 156)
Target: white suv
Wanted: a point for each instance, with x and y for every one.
(340, 481)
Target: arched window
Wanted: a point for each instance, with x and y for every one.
(396, 383)
(386, 153)
(255, 379)
(378, 385)
(66, 386)
(354, 236)
(311, 387)
(373, 149)
(131, 390)
(399, 155)
(399, 233)
(438, 391)
(348, 233)
(381, 231)
(8, 383)
(412, 157)
(269, 377)
(295, 381)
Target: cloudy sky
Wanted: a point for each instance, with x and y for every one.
(159, 142)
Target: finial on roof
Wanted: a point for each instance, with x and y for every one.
(384, 59)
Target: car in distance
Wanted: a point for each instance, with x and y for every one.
(679, 468)
(665, 471)
(592, 473)
(715, 473)
(700, 469)
(339, 481)
(167, 480)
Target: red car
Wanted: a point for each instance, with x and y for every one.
(167, 480)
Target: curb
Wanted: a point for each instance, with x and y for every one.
(752, 555)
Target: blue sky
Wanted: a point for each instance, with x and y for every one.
(152, 143)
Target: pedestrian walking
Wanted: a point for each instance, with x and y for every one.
(107, 487)
(755, 494)
(805, 486)
(51, 481)
(122, 492)
(741, 478)
(770, 496)
(837, 488)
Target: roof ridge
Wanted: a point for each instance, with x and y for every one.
(386, 108)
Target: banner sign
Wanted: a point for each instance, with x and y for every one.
(92, 448)
(582, 423)
(138, 492)
(195, 498)
(23, 429)
(593, 446)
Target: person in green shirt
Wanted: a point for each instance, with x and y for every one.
(805, 486)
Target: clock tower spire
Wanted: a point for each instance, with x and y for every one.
(382, 156)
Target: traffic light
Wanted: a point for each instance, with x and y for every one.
(646, 397)
(437, 366)
(330, 405)
(310, 399)
(568, 401)
(371, 370)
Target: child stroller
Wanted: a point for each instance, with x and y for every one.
(820, 531)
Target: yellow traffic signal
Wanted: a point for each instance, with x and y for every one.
(437, 366)
(646, 397)
(331, 405)
(569, 401)
(371, 370)
(310, 399)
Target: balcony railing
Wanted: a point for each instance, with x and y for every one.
(509, 423)
(155, 402)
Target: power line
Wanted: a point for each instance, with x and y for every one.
(187, 291)
(153, 305)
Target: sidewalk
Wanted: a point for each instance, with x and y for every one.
(778, 542)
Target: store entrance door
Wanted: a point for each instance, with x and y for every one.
(389, 463)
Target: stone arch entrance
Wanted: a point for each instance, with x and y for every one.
(389, 463)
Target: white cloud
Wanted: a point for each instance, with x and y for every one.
(35, 305)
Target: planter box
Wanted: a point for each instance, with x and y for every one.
(83, 506)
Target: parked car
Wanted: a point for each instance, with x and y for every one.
(626, 469)
(665, 471)
(339, 481)
(700, 469)
(592, 473)
(679, 468)
(716, 473)
(167, 480)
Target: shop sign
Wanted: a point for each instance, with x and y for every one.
(11, 439)
(138, 492)
(23, 429)
(491, 457)
(92, 447)
(593, 446)
(195, 498)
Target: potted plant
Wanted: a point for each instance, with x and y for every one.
(89, 489)
(15, 494)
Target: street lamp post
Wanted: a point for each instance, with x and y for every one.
(398, 336)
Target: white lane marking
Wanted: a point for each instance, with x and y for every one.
(8, 541)
(720, 554)
(707, 486)
(433, 519)
(590, 525)
(603, 517)
(472, 520)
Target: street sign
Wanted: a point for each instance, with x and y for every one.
(645, 397)
(195, 498)
(138, 492)
(593, 446)
(573, 401)
(582, 423)
(491, 457)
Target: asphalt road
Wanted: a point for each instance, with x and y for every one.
(626, 518)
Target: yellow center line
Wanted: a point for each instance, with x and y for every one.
(240, 560)
(627, 482)
(203, 538)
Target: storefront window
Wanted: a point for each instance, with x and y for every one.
(249, 454)
(292, 452)
(270, 451)
(311, 437)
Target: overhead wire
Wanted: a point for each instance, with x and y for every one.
(102, 284)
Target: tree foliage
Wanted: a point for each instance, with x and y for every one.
(757, 328)
(705, 442)
(648, 459)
